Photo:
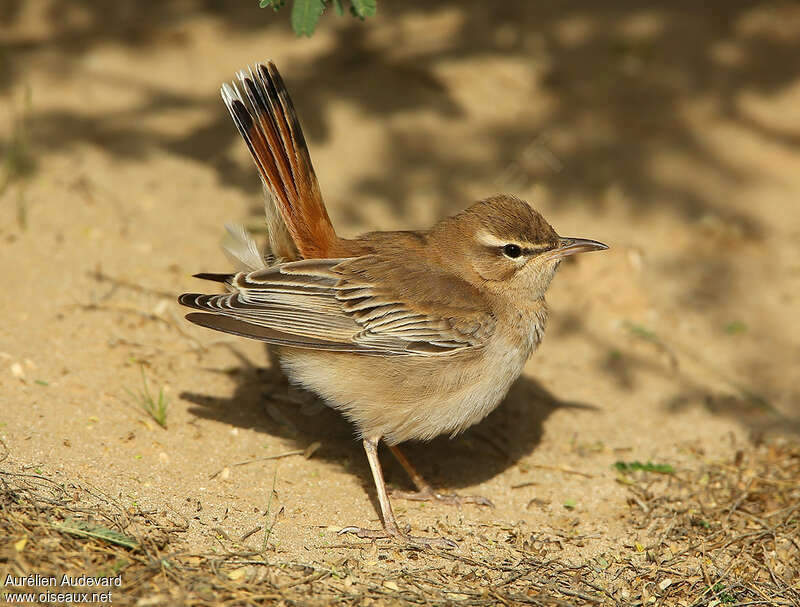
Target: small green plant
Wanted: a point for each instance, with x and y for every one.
(722, 593)
(267, 527)
(156, 408)
(306, 13)
(641, 332)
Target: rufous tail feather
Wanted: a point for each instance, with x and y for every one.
(297, 220)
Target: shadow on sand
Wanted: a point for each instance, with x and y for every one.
(508, 434)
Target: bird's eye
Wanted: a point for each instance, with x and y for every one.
(512, 250)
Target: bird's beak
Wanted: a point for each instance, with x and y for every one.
(570, 246)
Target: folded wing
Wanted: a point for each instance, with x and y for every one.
(331, 304)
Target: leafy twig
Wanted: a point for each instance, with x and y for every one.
(306, 13)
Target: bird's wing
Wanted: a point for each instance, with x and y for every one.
(336, 304)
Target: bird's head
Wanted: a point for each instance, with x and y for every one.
(502, 244)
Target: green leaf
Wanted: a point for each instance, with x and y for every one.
(735, 327)
(648, 467)
(337, 6)
(641, 331)
(82, 529)
(305, 14)
(364, 8)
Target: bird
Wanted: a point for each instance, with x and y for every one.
(409, 334)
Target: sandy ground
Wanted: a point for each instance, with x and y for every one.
(673, 135)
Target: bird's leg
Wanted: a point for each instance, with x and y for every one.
(425, 492)
(390, 528)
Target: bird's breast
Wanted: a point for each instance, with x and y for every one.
(419, 397)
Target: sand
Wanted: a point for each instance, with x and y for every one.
(672, 136)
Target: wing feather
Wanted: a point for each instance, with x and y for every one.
(323, 304)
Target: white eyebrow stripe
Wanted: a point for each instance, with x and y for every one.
(490, 240)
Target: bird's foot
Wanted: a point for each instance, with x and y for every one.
(451, 499)
(396, 534)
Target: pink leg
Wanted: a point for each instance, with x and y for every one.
(390, 527)
(425, 492)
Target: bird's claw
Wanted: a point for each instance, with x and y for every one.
(451, 499)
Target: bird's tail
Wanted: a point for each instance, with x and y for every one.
(297, 222)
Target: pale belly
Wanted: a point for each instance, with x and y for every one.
(411, 397)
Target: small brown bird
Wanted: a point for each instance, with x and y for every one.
(409, 334)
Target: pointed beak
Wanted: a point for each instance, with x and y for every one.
(570, 246)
